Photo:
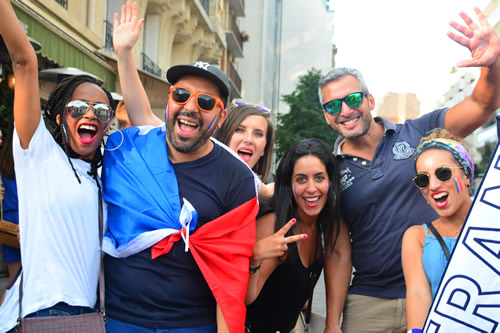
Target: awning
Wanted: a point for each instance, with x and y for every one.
(62, 52)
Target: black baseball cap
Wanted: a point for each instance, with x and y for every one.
(201, 68)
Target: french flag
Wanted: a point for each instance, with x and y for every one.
(143, 212)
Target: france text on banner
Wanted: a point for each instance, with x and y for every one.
(468, 298)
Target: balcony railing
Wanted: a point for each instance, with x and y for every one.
(108, 36)
(236, 32)
(206, 5)
(150, 66)
(235, 77)
(63, 3)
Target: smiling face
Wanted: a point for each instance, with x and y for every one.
(310, 184)
(350, 123)
(249, 139)
(446, 197)
(85, 134)
(189, 128)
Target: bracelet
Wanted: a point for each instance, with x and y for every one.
(254, 269)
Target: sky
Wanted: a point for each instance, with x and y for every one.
(401, 45)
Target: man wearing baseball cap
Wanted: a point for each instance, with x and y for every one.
(181, 209)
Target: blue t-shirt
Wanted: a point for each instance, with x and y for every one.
(170, 291)
(10, 214)
(434, 260)
(379, 202)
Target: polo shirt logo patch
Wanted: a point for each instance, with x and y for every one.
(402, 150)
(346, 179)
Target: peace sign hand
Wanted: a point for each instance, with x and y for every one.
(481, 40)
(275, 245)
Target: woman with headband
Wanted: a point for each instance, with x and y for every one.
(444, 173)
(249, 132)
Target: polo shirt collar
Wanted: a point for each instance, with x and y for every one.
(389, 127)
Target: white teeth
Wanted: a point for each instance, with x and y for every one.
(245, 151)
(89, 127)
(187, 122)
(311, 199)
(440, 195)
(350, 122)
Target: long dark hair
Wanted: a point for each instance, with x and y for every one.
(6, 157)
(284, 202)
(56, 104)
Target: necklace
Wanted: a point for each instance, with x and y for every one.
(448, 234)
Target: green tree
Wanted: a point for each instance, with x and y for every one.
(305, 119)
(486, 155)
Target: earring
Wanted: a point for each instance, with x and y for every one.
(123, 138)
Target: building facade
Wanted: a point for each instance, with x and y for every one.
(76, 37)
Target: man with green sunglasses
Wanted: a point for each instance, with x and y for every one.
(379, 201)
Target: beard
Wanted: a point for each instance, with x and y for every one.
(366, 121)
(183, 144)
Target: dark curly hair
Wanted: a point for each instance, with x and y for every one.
(56, 105)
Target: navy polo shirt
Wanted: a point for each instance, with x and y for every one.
(380, 201)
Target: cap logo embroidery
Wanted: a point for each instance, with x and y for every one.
(201, 64)
(402, 150)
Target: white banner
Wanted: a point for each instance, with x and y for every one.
(468, 299)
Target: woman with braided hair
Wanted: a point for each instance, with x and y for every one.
(57, 185)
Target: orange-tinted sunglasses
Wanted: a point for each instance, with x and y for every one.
(205, 102)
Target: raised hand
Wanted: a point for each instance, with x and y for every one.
(127, 30)
(275, 245)
(481, 40)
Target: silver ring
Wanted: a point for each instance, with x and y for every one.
(286, 242)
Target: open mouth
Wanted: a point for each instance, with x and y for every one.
(349, 122)
(186, 127)
(87, 133)
(312, 202)
(245, 154)
(441, 198)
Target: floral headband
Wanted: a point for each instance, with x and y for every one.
(455, 148)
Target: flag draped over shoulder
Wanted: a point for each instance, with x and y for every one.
(141, 190)
(144, 211)
(222, 250)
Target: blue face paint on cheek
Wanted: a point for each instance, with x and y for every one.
(211, 124)
(166, 113)
(293, 191)
(458, 184)
(327, 187)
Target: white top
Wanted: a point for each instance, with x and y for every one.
(59, 229)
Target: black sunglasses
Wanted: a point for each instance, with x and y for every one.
(353, 100)
(77, 109)
(442, 173)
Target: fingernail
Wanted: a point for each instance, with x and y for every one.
(294, 220)
(305, 236)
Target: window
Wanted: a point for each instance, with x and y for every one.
(63, 3)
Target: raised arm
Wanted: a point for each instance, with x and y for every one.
(418, 289)
(126, 32)
(27, 111)
(338, 269)
(484, 44)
